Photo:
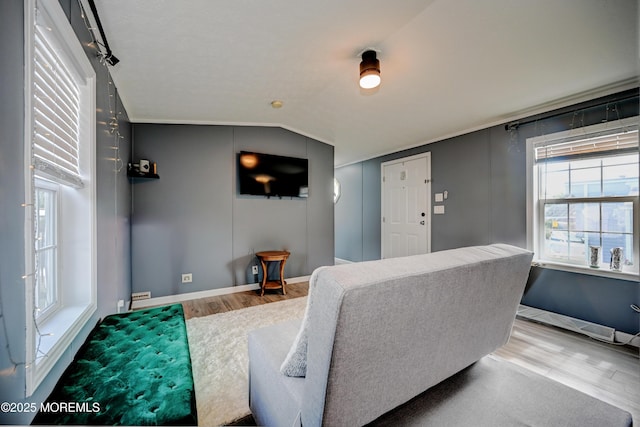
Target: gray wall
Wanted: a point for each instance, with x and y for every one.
(112, 211)
(484, 173)
(474, 169)
(192, 220)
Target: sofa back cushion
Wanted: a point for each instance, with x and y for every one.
(381, 332)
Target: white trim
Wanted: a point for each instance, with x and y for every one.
(427, 156)
(29, 231)
(172, 299)
(602, 272)
(42, 184)
(593, 330)
(73, 47)
(623, 337)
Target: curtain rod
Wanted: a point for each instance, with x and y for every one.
(626, 95)
(112, 60)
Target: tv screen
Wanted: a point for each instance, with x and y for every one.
(270, 175)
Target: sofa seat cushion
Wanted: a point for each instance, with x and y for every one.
(136, 366)
(495, 392)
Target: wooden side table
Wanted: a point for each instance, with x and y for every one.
(267, 256)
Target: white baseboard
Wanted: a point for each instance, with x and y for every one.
(599, 332)
(173, 299)
(623, 337)
(338, 261)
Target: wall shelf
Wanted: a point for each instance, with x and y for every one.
(136, 175)
(142, 175)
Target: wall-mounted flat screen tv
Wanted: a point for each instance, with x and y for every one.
(272, 176)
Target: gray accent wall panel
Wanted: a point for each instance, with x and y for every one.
(181, 222)
(605, 301)
(348, 213)
(113, 193)
(192, 220)
(261, 224)
(320, 214)
(461, 167)
(508, 181)
(372, 211)
(269, 140)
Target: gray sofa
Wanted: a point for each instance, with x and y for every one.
(378, 336)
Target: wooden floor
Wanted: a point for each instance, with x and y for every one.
(607, 372)
(220, 304)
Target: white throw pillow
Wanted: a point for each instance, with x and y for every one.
(295, 364)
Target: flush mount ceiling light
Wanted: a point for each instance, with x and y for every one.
(369, 70)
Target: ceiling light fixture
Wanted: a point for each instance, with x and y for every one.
(369, 70)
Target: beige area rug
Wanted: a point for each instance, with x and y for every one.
(220, 361)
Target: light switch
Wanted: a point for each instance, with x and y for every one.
(439, 197)
(438, 210)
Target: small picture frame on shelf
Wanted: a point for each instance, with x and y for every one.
(143, 169)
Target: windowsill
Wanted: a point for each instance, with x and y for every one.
(602, 271)
(57, 334)
(56, 326)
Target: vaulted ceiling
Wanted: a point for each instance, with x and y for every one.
(447, 66)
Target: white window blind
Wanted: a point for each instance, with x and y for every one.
(56, 102)
(623, 141)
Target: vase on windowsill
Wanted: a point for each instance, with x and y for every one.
(616, 259)
(595, 256)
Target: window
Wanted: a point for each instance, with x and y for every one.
(46, 249)
(584, 191)
(60, 254)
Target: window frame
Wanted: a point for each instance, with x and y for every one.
(48, 339)
(535, 207)
(41, 315)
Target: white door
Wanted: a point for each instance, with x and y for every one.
(406, 196)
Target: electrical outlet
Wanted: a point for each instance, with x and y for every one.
(187, 278)
(254, 269)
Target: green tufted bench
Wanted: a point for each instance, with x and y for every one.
(136, 367)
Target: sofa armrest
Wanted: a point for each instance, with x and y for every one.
(274, 399)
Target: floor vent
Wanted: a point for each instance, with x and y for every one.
(137, 296)
(576, 325)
